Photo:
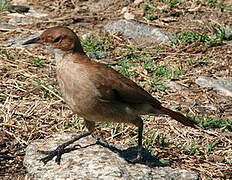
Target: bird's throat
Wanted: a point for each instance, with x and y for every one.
(59, 54)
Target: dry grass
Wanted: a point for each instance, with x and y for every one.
(31, 106)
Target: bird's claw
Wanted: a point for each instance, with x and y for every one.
(51, 155)
(56, 153)
(139, 158)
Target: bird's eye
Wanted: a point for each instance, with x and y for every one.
(57, 39)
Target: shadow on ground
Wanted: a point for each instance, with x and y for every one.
(131, 153)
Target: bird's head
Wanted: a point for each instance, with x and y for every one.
(59, 37)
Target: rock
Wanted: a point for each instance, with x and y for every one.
(17, 42)
(29, 17)
(94, 161)
(141, 33)
(223, 85)
(6, 27)
(173, 85)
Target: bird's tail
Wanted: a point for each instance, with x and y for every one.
(179, 117)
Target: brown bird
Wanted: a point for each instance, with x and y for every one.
(96, 92)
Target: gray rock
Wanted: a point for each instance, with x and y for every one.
(139, 32)
(17, 42)
(7, 27)
(93, 161)
(25, 18)
(173, 85)
(223, 85)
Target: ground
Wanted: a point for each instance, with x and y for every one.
(31, 105)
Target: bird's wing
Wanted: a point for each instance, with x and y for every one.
(114, 86)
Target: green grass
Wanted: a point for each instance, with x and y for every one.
(107, 124)
(37, 62)
(77, 123)
(211, 146)
(189, 37)
(132, 53)
(221, 32)
(161, 140)
(152, 137)
(96, 45)
(133, 56)
(212, 3)
(192, 149)
(198, 61)
(128, 61)
(216, 4)
(149, 12)
(217, 35)
(125, 67)
(167, 73)
(162, 73)
(212, 122)
(149, 66)
(3, 5)
(216, 123)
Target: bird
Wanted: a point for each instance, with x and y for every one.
(96, 92)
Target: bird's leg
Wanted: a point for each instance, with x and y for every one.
(139, 123)
(61, 149)
(140, 143)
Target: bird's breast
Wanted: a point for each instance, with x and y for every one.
(84, 98)
(77, 89)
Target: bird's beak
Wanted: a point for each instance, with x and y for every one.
(32, 41)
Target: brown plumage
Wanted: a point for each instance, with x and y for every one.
(97, 92)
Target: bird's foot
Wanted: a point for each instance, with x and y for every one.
(61, 149)
(58, 152)
(140, 156)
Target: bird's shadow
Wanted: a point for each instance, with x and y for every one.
(131, 153)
